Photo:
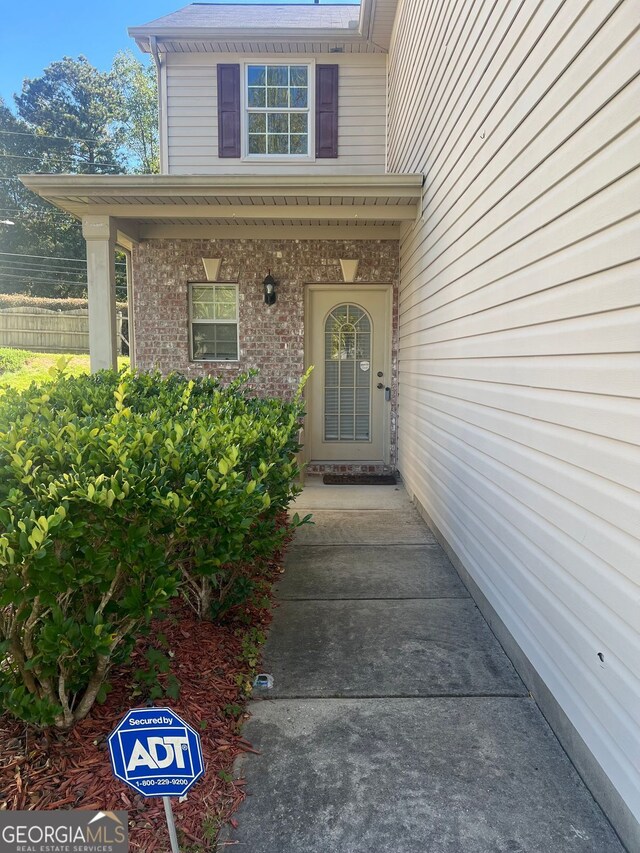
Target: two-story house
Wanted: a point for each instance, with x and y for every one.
(436, 205)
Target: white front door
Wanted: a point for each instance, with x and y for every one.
(348, 344)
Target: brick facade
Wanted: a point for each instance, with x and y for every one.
(271, 337)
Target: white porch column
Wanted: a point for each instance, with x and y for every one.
(100, 235)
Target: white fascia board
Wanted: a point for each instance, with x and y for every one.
(157, 185)
(246, 34)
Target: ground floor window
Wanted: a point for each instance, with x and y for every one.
(213, 315)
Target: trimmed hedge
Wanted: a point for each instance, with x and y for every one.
(117, 491)
(53, 303)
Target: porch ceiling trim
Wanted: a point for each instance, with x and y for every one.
(387, 198)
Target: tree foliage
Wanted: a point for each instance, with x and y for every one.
(81, 111)
(138, 89)
(38, 228)
(73, 118)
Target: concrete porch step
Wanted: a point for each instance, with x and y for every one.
(371, 527)
(318, 496)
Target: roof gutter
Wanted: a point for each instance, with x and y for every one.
(153, 50)
(282, 34)
(367, 9)
(162, 113)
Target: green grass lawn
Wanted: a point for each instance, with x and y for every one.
(19, 368)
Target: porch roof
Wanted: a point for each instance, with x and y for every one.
(152, 204)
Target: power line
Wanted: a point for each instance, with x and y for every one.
(35, 261)
(9, 266)
(67, 159)
(48, 136)
(28, 278)
(35, 212)
(23, 272)
(42, 271)
(43, 257)
(54, 258)
(37, 215)
(38, 219)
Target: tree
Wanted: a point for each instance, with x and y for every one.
(81, 110)
(138, 89)
(73, 118)
(38, 228)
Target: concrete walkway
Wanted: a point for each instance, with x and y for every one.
(396, 722)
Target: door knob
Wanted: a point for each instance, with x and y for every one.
(380, 385)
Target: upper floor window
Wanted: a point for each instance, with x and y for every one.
(278, 109)
(284, 112)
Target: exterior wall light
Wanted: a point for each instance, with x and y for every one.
(269, 285)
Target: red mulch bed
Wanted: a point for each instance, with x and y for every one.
(70, 771)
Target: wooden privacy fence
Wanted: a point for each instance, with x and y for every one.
(43, 330)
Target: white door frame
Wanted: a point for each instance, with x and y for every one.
(349, 288)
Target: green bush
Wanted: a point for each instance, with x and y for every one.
(12, 359)
(53, 303)
(116, 491)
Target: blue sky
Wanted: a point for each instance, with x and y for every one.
(36, 33)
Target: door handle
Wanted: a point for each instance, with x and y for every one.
(380, 386)
(387, 393)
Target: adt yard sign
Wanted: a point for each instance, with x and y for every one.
(154, 751)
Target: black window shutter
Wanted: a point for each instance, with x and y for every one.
(228, 111)
(326, 110)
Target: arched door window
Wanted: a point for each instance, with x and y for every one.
(347, 375)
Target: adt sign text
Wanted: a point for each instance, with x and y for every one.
(155, 752)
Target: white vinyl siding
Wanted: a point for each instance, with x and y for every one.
(519, 323)
(192, 119)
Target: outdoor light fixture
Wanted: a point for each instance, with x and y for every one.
(269, 285)
(211, 268)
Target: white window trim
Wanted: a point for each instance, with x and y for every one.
(244, 123)
(193, 284)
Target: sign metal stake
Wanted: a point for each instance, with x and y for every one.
(157, 754)
(173, 836)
